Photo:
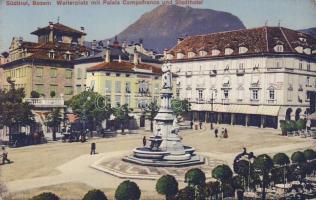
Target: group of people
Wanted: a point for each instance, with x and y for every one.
(224, 133)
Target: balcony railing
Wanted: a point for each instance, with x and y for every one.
(46, 102)
(254, 101)
(271, 101)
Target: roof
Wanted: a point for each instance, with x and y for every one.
(58, 27)
(124, 67)
(256, 40)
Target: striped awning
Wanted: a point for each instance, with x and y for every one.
(241, 109)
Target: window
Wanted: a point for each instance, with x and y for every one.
(308, 67)
(241, 65)
(278, 48)
(78, 89)
(203, 53)
(53, 88)
(180, 55)
(53, 72)
(255, 95)
(240, 94)
(117, 86)
(128, 99)
(39, 71)
(300, 65)
(215, 52)
(200, 94)
(108, 74)
(226, 94)
(117, 100)
(118, 74)
(127, 75)
(156, 89)
(68, 90)
(178, 93)
(228, 51)
(191, 54)
(78, 73)
(68, 74)
(242, 50)
(108, 87)
(271, 94)
(40, 88)
(308, 82)
(128, 87)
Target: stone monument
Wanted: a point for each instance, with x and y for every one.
(166, 148)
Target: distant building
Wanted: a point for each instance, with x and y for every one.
(253, 77)
(46, 65)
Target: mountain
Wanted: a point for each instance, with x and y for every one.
(160, 28)
(311, 31)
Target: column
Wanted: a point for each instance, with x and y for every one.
(232, 119)
(247, 120)
(262, 121)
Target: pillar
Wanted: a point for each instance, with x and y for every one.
(218, 118)
(232, 119)
(247, 120)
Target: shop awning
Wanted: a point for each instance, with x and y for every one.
(238, 109)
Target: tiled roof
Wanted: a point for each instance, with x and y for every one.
(59, 28)
(123, 67)
(256, 40)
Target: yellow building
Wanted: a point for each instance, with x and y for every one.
(46, 65)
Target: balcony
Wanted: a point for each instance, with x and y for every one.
(271, 101)
(254, 101)
(240, 72)
(46, 102)
(200, 100)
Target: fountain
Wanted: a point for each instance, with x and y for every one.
(166, 148)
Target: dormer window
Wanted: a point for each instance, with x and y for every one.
(51, 54)
(228, 51)
(278, 48)
(215, 52)
(180, 55)
(299, 49)
(169, 56)
(307, 51)
(242, 50)
(191, 54)
(202, 53)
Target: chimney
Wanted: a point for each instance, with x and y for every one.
(107, 55)
(51, 34)
(94, 45)
(135, 57)
(82, 39)
(180, 39)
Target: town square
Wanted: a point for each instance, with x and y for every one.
(175, 100)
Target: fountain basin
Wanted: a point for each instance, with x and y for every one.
(147, 153)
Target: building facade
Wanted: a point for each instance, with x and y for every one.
(46, 65)
(253, 77)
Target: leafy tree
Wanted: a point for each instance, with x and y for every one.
(280, 174)
(167, 185)
(95, 195)
(298, 157)
(263, 164)
(52, 94)
(127, 190)
(301, 124)
(14, 112)
(90, 107)
(121, 114)
(151, 111)
(53, 120)
(309, 154)
(223, 173)
(35, 94)
(281, 159)
(195, 176)
(244, 169)
(46, 196)
(180, 106)
(187, 193)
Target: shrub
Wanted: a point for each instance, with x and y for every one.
(35, 94)
(95, 195)
(309, 154)
(52, 94)
(186, 193)
(281, 159)
(298, 157)
(127, 190)
(222, 173)
(195, 177)
(46, 196)
(167, 185)
(301, 124)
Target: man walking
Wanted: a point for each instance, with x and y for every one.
(93, 147)
(5, 156)
(144, 141)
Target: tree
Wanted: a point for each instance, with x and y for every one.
(35, 94)
(223, 173)
(46, 196)
(244, 169)
(180, 106)
(52, 94)
(127, 190)
(121, 114)
(298, 157)
(53, 120)
(151, 111)
(95, 195)
(263, 164)
(187, 193)
(167, 185)
(14, 112)
(310, 156)
(90, 107)
(195, 176)
(281, 160)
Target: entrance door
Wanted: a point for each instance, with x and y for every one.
(312, 102)
(142, 121)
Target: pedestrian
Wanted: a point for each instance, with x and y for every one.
(144, 141)
(5, 156)
(200, 125)
(191, 124)
(225, 133)
(216, 132)
(93, 147)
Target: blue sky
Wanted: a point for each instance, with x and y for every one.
(102, 22)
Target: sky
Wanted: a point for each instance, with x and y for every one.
(103, 21)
